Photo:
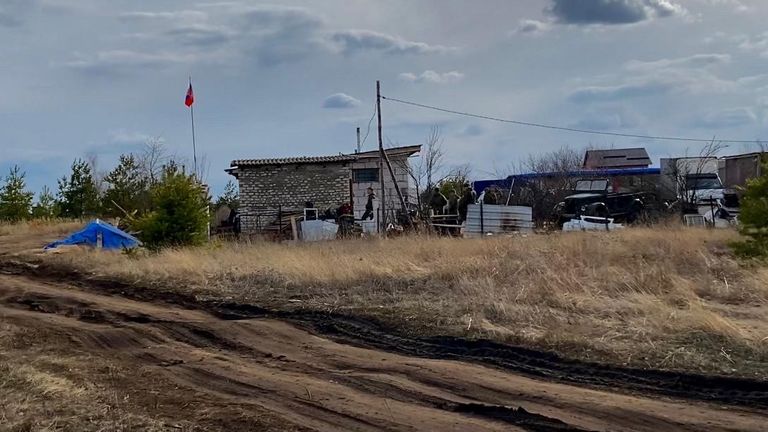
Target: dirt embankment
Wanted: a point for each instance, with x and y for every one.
(209, 356)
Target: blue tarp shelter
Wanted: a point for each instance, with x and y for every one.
(480, 185)
(99, 234)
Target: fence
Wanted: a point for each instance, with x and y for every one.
(485, 219)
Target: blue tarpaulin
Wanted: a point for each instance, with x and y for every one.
(99, 234)
(480, 185)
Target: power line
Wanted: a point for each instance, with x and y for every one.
(369, 126)
(567, 129)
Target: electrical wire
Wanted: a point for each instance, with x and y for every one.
(368, 131)
(567, 129)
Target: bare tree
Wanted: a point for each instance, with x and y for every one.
(542, 194)
(203, 168)
(152, 158)
(562, 160)
(430, 163)
(92, 159)
(685, 171)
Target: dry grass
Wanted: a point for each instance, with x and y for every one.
(671, 298)
(26, 235)
(54, 226)
(45, 389)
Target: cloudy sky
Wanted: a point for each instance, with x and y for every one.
(293, 77)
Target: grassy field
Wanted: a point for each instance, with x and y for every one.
(669, 297)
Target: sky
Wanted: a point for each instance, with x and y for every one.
(91, 78)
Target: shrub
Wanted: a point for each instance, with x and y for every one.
(15, 199)
(754, 217)
(78, 193)
(178, 215)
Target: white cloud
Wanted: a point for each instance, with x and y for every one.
(123, 136)
(356, 41)
(124, 61)
(736, 5)
(270, 35)
(174, 16)
(691, 74)
(201, 34)
(532, 27)
(647, 87)
(726, 118)
(694, 61)
(340, 101)
(430, 76)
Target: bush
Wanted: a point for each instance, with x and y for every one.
(754, 217)
(15, 199)
(178, 215)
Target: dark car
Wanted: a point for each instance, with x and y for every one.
(592, 198)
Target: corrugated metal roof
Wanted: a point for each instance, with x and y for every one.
(292, 160)
(409, 150)
(611, 158)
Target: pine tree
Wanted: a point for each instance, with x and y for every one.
(754, 217)
(46, 205)
(15, 200)
(230, 197)
(78, 194)
(178, 216)
(127, 190)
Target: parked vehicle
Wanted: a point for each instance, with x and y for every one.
(594, 198)
(696, 185)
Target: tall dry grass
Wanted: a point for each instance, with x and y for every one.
(672, 297)
(27, 235)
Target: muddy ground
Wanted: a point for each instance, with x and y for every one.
(177, 363)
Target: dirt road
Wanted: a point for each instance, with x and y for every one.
(299, 380)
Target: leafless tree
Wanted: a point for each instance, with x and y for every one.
(203, 168)
(424, 173)
(152, 158)
(92, 158)
(682, 172)
(544, 193)
(561, 160)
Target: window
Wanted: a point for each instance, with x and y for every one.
(365, 175)
(592, 185)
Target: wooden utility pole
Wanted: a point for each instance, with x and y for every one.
(382, 201)
(383, 155)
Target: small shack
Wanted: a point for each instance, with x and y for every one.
(272, 188)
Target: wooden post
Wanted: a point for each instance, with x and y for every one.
(482, 221)
(382, 200)
(352, 197)
(294, 230)
(386, 158)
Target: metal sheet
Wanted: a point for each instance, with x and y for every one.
(497, 219)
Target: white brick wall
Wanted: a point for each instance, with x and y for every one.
(390, 194)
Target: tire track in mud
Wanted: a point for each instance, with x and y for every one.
(130, 336)
(323, 385)
(371, 334)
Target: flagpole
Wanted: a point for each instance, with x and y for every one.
(192, 115)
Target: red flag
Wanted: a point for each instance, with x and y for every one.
(190, 99)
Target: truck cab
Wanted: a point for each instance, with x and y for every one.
(705, 192)
(702, 188)
(595, 197)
